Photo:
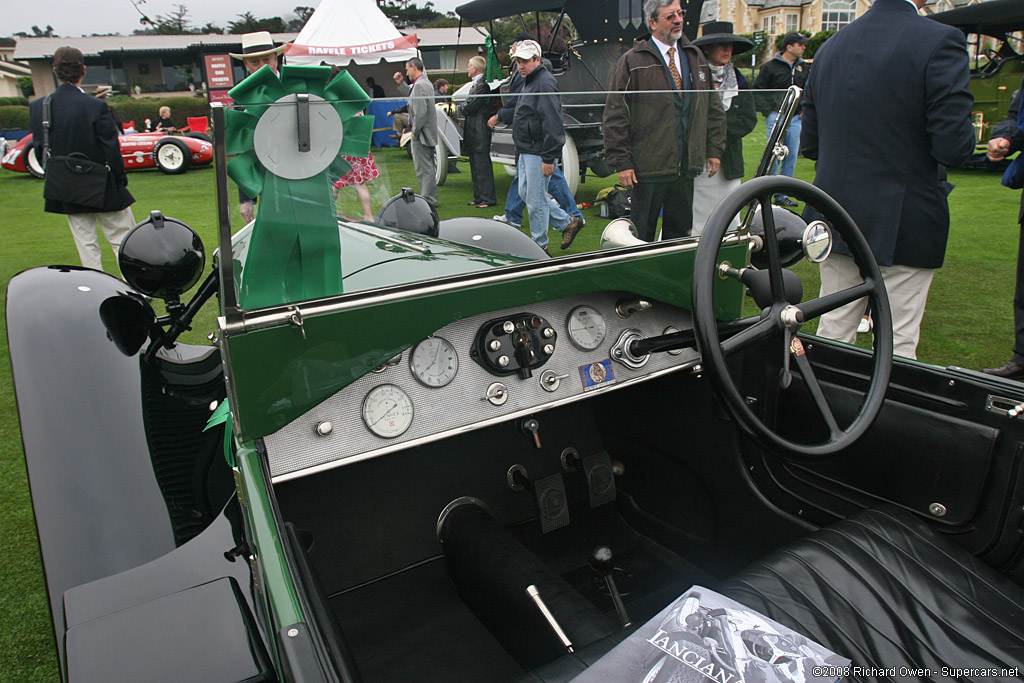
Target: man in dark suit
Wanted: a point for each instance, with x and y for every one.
(423, 119)
(82, 123)
(1007, 138)
(885, 108)
(477, 143)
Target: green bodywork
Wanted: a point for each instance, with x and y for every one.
(992, 92)
(278, 374)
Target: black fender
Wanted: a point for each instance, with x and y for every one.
(100, 507)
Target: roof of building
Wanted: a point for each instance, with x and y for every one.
(94, 46)
(436, 37)
(13, 70)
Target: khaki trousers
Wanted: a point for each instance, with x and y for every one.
(115, 225)
(906, 286)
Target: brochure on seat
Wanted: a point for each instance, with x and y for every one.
(704, 636)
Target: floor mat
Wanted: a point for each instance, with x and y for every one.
(411, 626)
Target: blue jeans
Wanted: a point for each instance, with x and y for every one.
(544, 211)
(557, 186)
(792, 141)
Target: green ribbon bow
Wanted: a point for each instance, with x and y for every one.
(295, 249)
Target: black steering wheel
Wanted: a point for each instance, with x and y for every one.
(781, 319)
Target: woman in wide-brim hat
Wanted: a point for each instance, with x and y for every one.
(720, 45)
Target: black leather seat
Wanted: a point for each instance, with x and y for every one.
(885, 590)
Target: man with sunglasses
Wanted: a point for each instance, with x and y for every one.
(658, 142)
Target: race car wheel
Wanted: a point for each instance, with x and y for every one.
(442, 162)
(571, 163)
(33, 161)
(774, 331)
(172, 156)
(200, 136)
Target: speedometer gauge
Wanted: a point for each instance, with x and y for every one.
(387, 411)
(434, 362)
(586, 327)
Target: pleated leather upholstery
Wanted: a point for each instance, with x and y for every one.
(885, 590)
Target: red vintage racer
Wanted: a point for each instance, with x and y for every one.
(172, 154)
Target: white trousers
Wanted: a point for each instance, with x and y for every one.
(707, 193)
(906, 286)
(115, 225)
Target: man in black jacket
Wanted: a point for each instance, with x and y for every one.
(477, 144)
(778, 73)
(83, 124)
(539, 135)
(885, 107)
(1007, 138)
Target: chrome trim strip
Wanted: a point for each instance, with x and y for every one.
(477, 425)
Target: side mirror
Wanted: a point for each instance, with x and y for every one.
(817, 241)
(162, 257)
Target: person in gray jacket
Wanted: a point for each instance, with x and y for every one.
(423, 119)
(538, 134)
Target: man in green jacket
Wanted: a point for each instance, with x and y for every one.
(659, 141)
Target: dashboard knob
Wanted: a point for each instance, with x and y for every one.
(324, 428)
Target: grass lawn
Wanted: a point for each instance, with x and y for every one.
(969, 321)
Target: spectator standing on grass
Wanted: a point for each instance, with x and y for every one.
(786, 68)
(1007, 138)
(885, 108)
(423, 119)
(83, 124)
(477, 145)
(376, 91)
(558, 187)
(258, 51)
(658, 141)
(538, 135)
(720, 45)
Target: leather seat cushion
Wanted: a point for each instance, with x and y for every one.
(886, 590)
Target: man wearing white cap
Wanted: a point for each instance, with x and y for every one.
(258, 50)
(539, 135)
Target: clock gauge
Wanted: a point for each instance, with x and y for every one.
(434, 362)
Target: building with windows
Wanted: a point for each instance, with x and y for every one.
(779, 17)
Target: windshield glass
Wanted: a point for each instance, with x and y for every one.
(450, 173)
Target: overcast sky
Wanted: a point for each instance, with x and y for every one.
(74, 18)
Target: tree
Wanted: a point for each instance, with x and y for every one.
(209, 28)
(406, 14)
(48, 33)
(174, 23)
(816, 41)
(302, 15)
(247, 23)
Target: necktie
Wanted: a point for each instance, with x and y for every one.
(673, 69)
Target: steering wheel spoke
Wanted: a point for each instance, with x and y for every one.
(817, 395)
(830, 302)
(759, 331)
(771, 246)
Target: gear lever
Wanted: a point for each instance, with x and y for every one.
(602, 561)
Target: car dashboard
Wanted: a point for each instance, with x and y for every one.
(482, 370)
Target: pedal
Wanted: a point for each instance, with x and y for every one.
(552, 503)
(600, 478)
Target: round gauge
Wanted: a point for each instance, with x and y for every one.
(586, 327)
(387, 411)
(434, 362)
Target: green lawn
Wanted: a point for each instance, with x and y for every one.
(968, 322)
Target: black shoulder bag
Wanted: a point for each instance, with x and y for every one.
(73, 179)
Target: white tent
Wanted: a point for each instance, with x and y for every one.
(343, 32)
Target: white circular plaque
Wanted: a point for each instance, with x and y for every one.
(276, 139)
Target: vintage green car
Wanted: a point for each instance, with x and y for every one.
(464, 461)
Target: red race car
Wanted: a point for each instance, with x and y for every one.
(170, 153)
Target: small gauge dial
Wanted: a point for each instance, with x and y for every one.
(434, 362)
(586, 327)
(387, 411)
